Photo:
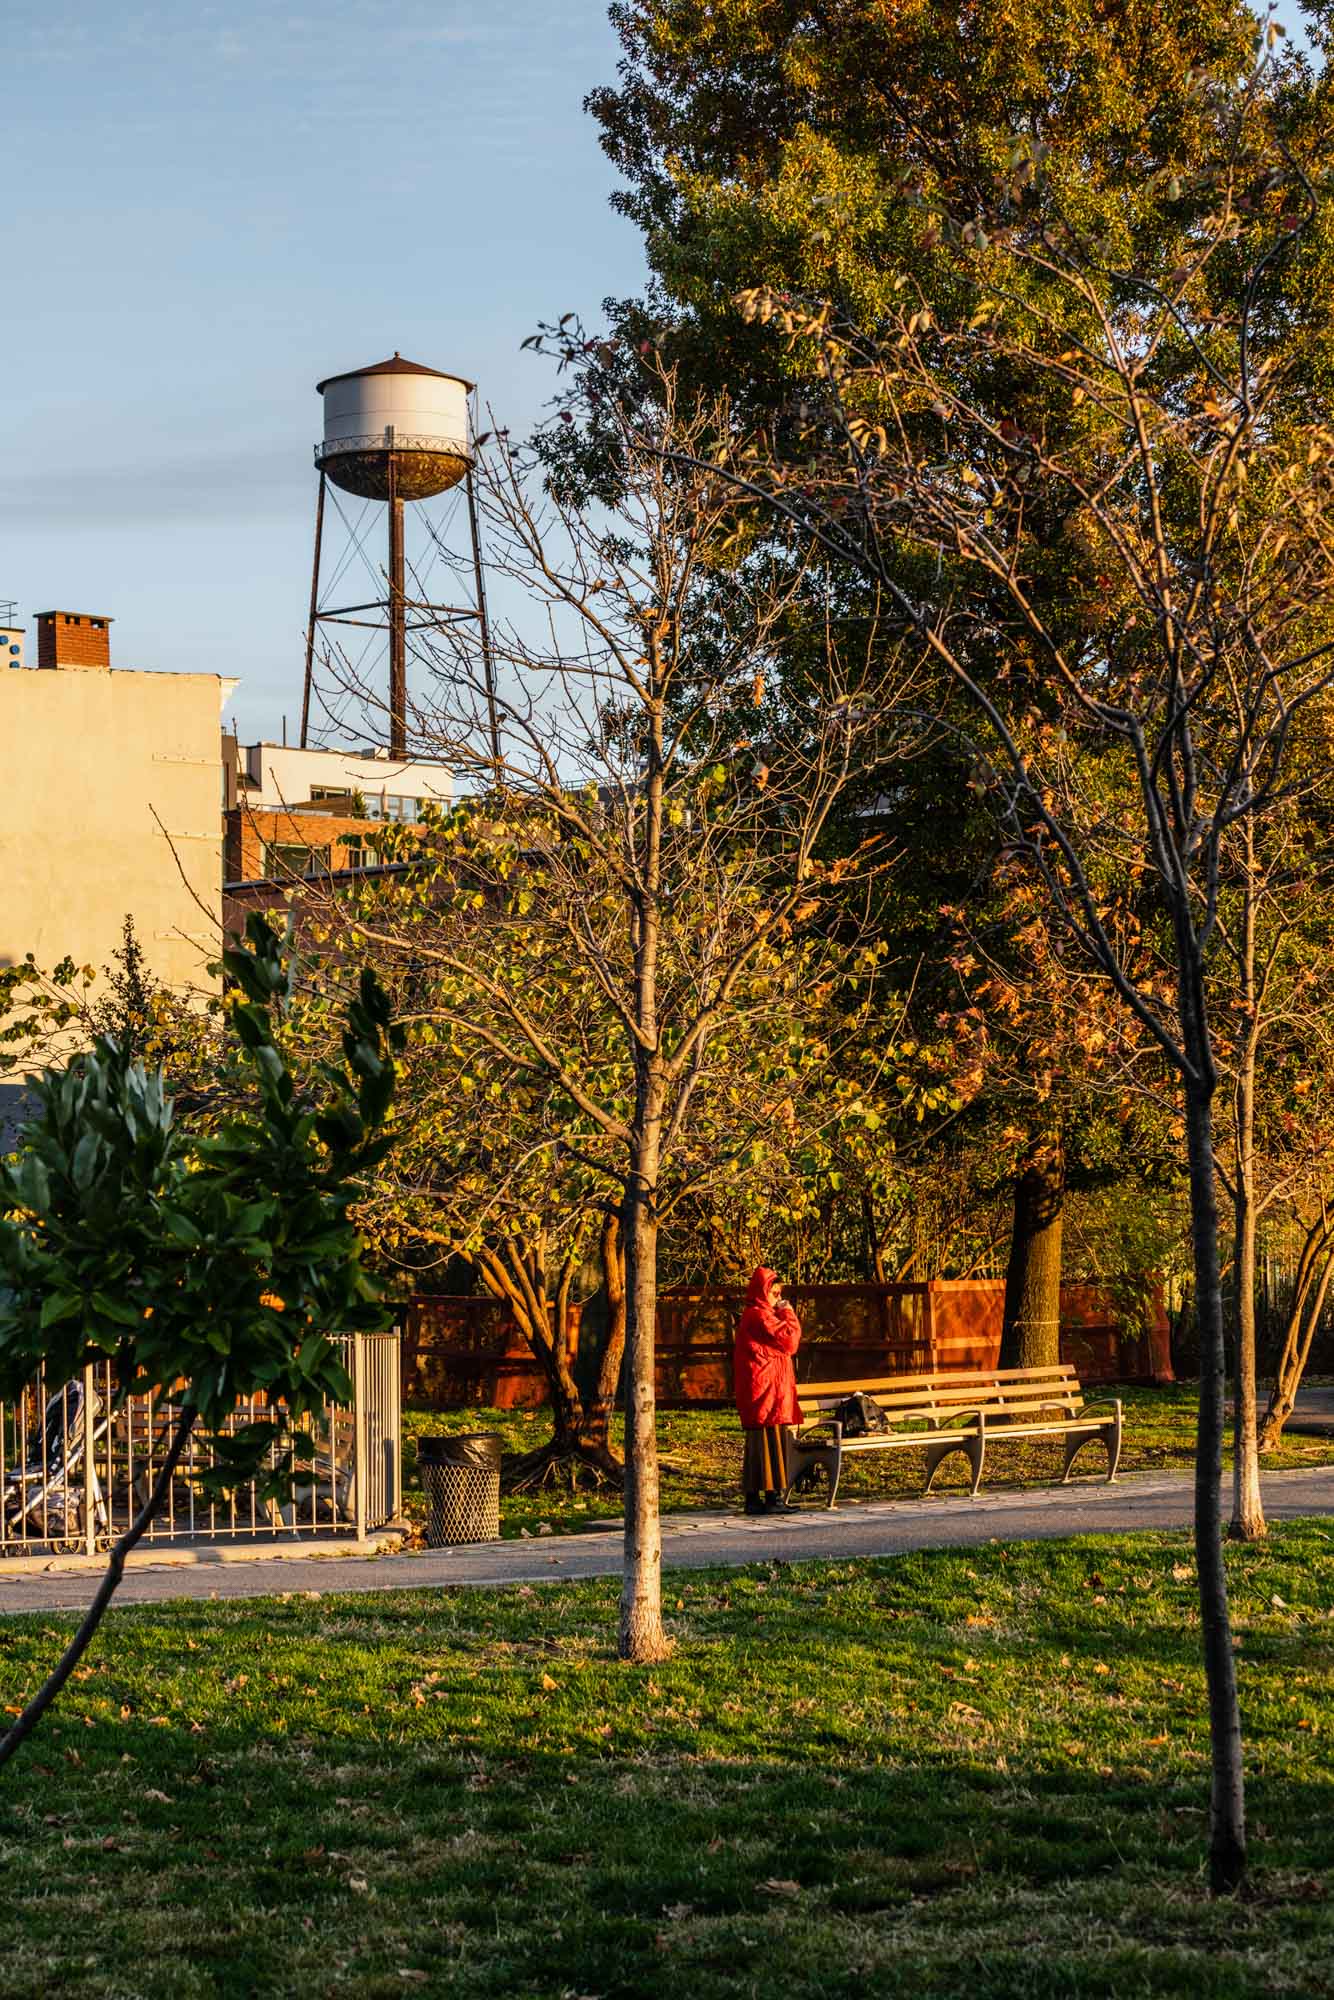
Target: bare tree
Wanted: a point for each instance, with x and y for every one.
(628, 906)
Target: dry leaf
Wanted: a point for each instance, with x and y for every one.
(777, 1887)
(551, 1686)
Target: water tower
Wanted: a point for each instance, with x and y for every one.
(395, 433)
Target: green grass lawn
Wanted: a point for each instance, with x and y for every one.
(701, 1458)
(977, 1774)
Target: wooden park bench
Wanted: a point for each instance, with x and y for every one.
(964, 1412)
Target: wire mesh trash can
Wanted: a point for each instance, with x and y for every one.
(461, 1480)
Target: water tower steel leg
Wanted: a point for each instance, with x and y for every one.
(314, 612)
(398, 658)
(484, 624)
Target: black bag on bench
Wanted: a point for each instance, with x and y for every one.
(861, 1416)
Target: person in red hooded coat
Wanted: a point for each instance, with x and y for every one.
(765, 1384)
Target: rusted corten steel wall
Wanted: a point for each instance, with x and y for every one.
(461, 1351)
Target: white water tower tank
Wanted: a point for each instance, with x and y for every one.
(395, 413)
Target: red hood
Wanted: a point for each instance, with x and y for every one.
(759, 1292)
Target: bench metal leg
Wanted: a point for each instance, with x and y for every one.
(1109, 1436)
(830, 1460)
(975, 1450)
(936, 1454)
(1113, 1440)
(1073, 1447)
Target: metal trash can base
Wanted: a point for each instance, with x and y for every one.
(462, 1504)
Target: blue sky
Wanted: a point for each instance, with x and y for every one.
(211, 208)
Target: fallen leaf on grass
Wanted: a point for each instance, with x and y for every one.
(159, 1798)
(550, 1686)
(775, 1886)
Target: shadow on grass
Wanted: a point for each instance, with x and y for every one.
(977, 1771)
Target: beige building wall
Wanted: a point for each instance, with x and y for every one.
(88, 759)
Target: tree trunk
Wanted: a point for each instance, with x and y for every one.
(1248, 1514)
(1314, 1271)
(515, 1273)
(22, 1729)
(1227, 1827)
(1031, 1330)
(603, 1400)
(875, 1256)
(642, 1635)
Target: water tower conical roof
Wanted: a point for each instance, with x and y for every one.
(395, 365)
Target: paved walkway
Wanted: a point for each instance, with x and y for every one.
(695, 1541)
(1313, 1413)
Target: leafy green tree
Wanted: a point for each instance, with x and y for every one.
(226, 1263)
(1193, 460)
(813, 152)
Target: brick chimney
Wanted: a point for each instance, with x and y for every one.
(71, 639)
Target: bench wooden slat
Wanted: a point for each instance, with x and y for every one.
(960, 1378)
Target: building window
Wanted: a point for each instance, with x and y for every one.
(284, 859)
(394, 805)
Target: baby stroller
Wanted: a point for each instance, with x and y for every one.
(45, 1496)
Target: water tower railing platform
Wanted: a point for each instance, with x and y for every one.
(391, 440)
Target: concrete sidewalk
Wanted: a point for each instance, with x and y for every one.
(692, 1541)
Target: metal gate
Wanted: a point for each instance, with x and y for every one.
(77, 1463)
